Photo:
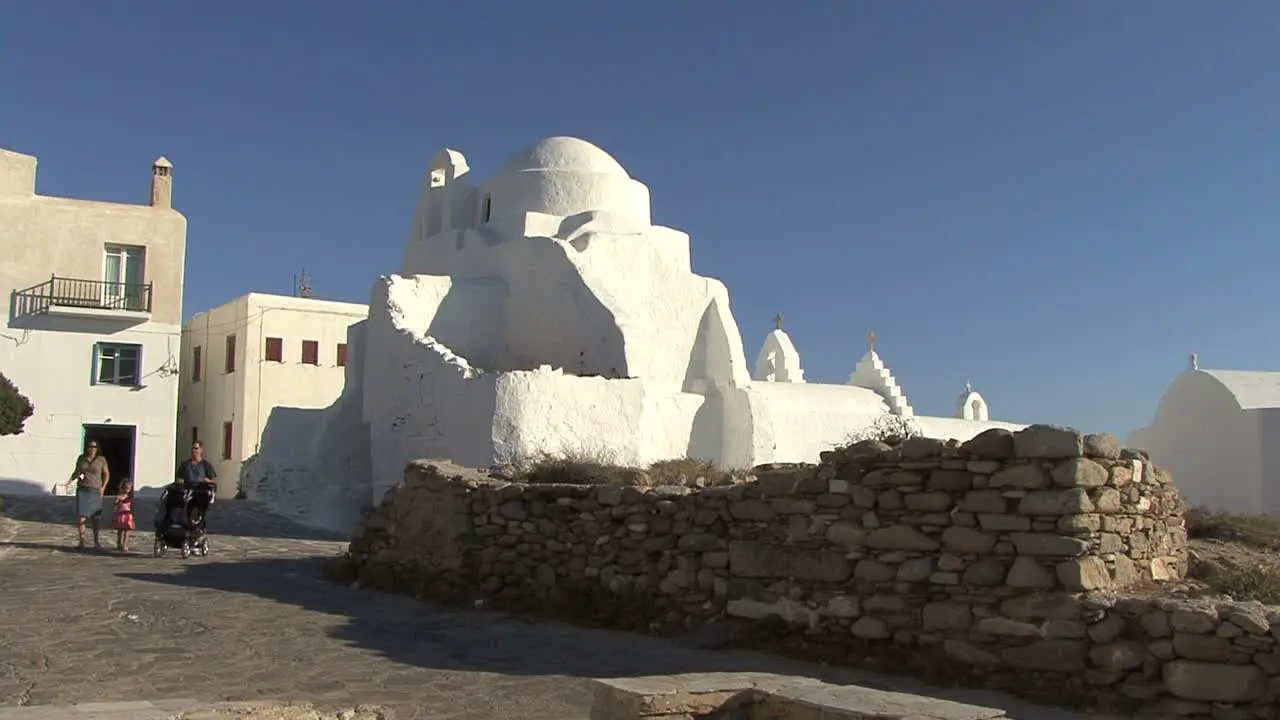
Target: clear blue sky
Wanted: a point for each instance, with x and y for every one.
(1059, 201)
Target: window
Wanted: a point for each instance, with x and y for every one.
(123, 270)
(342, 354)
(195, 364)
(486, 210)
(116, 364)
(226, 440)
(231, 354)
(310, 352)
(275, 350)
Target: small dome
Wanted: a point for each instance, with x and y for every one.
(564, 153)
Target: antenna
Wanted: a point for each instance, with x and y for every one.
(302, 285)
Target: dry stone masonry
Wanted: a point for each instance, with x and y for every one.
(1039, 561)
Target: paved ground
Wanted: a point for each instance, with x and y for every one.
(253, 621)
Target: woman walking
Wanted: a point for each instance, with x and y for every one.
(91, 476)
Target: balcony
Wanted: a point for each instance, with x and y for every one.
(77, 297)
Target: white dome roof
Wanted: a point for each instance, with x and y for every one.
(564, 153)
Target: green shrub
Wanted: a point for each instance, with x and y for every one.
(890, 429)
(15, 408)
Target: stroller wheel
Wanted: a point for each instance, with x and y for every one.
(186, 551)
(160, 548)
(204, 547)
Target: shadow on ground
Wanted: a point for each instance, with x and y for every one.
(418, 634)
(227, 517)
(69, 548)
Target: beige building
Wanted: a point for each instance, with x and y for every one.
(249, 362)
(93, 310)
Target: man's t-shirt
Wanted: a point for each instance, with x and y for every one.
(90, 472)
(193, 472)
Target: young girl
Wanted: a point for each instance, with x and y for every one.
(124, 515)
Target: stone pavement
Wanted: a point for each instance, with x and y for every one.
(184, 710)
(254, 621)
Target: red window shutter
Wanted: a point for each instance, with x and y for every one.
(227, 436)
(310, 352)
(275, 350)
(342, 354)
(231, 354)
(195, 364)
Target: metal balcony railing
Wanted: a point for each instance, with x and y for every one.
(82, 293)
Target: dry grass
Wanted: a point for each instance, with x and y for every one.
(1257, 530)
(1236, 554)
(578, 471)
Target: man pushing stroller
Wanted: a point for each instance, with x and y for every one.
(180, 520)
(196, 469)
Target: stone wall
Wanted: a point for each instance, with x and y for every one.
(1036, 560)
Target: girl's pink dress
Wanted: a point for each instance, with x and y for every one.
(124, 515)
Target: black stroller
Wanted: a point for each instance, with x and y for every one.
(180, 518)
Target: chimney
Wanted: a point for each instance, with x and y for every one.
(162, 183)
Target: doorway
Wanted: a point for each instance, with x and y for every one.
(116, 444)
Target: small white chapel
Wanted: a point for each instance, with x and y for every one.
(1218, 433)
(542, 313)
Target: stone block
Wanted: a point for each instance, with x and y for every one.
(1085, 573)
(984, 501)
(1126, 655)
(1025, 476)
(1048, 544)
(1079, 473)
(656, 696)
(968, 540)
(993, 444)
(846, 534)
(875, 572)
(1195, 618)
(1073, 501)
(986, 572)
(901, 537)
(917, 448)
(1209, 648)
(1048, 442)
(765, 560)
(949, 480)
(869, 628)
(1064, 656)
(1004, 523)
(946, 617)
(752, 511)
(969, 654)
(1007, 627)
(1212, 682)
(927, 501)
(1027, 573)
(1102, 445)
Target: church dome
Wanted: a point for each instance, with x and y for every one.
(564, 153)
(565, 176)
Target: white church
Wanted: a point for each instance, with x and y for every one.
(542, 313)
(1213, 431)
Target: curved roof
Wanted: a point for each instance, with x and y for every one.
(1252, 390)
(564, 153)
